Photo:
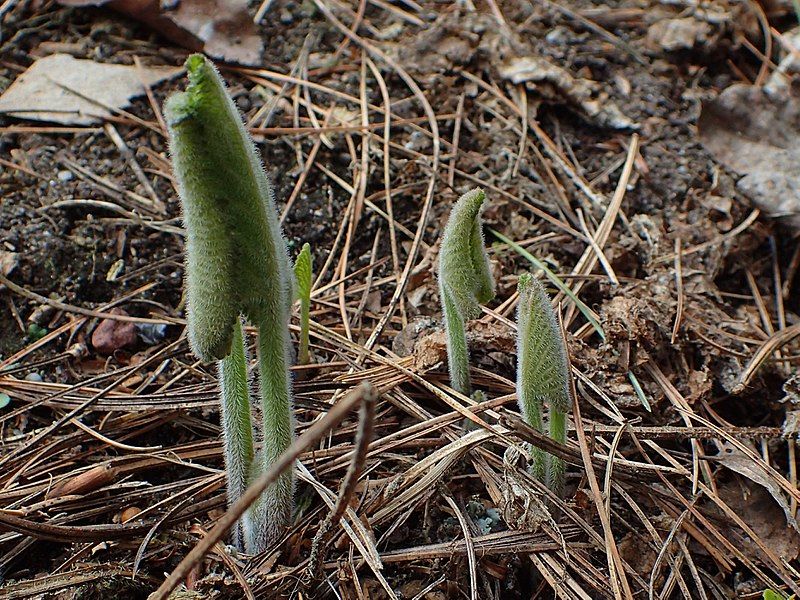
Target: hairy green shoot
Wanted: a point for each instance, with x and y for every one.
(303, 277)
(542, 375)
(465, 281)
(236, 265)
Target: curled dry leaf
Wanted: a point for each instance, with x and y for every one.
(222, 29)
(740, 463)
(539, 74)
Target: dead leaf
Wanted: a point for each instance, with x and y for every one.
(741, 463)
(223, 29)
(8, 262)
(64, 89)
(755, 507)
(536, 72)
(757, 135)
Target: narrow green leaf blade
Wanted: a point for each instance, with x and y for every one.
(585, 310)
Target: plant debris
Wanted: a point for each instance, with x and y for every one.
(757, 134)
(63, 89)
(223, 29)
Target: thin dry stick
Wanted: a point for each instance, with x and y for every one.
(75, 309)
(364, 393)
(679, 290)
(615, 568)
(366, 426)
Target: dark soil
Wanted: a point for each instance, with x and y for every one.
(677, 194)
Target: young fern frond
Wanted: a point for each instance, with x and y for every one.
(465, 281)
(303, 276)
(237, 262)
(542, 374)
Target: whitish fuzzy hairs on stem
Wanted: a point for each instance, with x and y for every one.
(465, 281)
(542, 374)
(236, 263)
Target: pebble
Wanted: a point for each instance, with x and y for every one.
(111, 335)
(66, 176)
(33, 376)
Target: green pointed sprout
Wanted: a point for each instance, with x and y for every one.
(236, 264)
(302, 276)
(465, 281)
(542, 374)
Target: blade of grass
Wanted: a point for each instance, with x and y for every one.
(585, 310)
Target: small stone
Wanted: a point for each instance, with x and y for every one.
(33, 376)
(286, 17)
(65, 175)
(111, 335)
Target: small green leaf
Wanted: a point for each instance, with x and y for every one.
(771, 595)
(303, 276)
(5, 400)
(464, 271)
(35, 332)
(639, 391)
(302, 272)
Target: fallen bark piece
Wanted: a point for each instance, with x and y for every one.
(63, 89)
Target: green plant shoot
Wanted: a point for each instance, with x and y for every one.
(302, 276)
(465, 281)
(542, 374)
(237, 429)
(236, 264)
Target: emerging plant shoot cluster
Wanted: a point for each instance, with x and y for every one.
(237, 266)
(465, 282)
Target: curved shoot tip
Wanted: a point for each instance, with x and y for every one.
(184, 105)
(543, 367)
(464, 271)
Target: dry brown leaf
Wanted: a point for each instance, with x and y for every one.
(740, 463)
(754, 505)
(757, 135)
(64, 89)
(223, 29)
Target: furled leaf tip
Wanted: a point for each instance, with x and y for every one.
(464, 270)
(543, 370)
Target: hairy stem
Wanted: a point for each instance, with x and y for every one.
(237, 429)
(302, 273)
(457, 351)
(237, 264)
(465, 281)
(274, 510)
(555, 465)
